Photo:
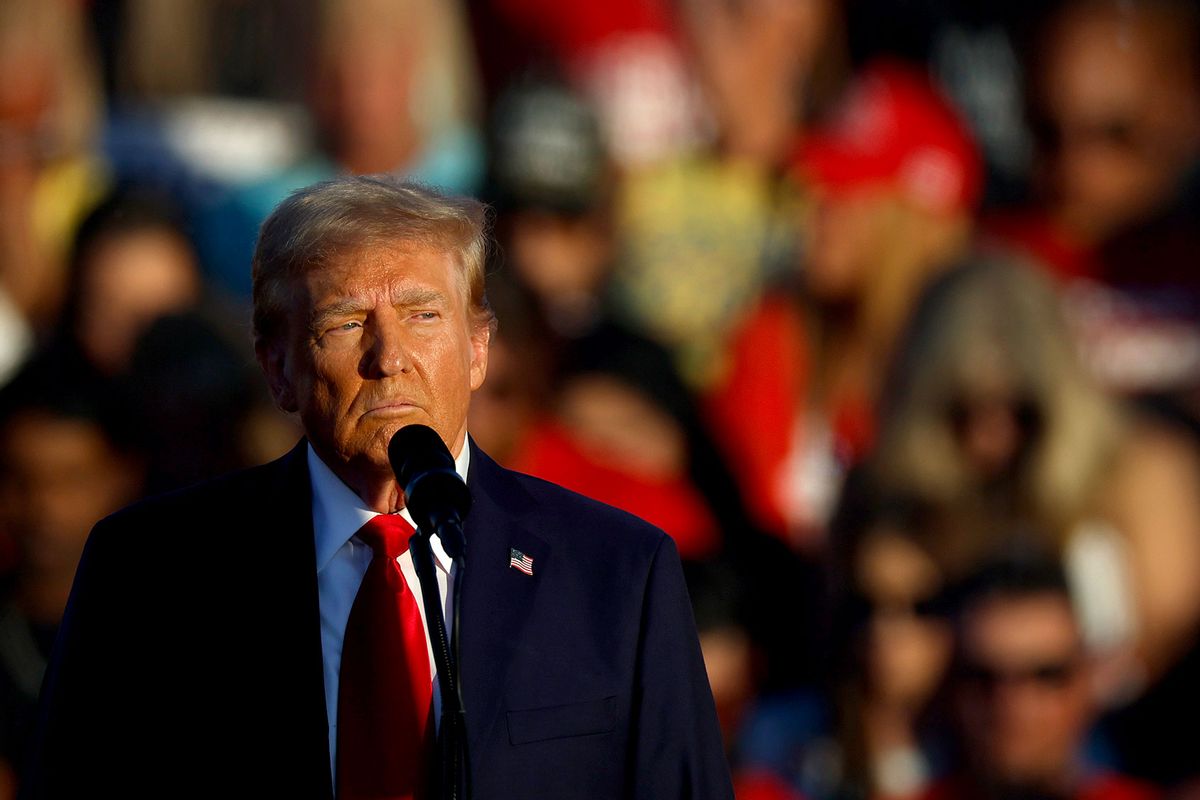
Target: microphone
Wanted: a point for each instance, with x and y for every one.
(436, 495)
(438, 500)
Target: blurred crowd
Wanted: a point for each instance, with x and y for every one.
(888, 311)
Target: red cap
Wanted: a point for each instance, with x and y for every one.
(894, 128)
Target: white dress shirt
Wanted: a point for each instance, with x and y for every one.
(342, 561)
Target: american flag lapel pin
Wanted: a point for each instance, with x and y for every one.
(518, 560)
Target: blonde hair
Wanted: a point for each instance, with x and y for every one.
(334, 218)
(1000, 317)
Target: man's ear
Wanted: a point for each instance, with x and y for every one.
(272, 357)
(481, 338)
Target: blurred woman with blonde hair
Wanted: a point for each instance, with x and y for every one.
(993, 422)
(892, 181)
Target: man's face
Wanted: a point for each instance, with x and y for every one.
(1116, 118)
(378, 339)
(1023, 690)
(57, 477)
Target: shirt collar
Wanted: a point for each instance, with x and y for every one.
(338, 512)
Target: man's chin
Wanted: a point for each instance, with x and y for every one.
(367, 451)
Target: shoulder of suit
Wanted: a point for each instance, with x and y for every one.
(554, 511)
(215, 501)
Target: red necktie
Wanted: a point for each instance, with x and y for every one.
(384, 686)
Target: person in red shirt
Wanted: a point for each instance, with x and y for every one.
(894, 178)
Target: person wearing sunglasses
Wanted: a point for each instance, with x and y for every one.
(1021, 687)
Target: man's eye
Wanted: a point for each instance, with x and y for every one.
(345, 327)
(425, 315)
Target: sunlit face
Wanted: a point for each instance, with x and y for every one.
(376, 340)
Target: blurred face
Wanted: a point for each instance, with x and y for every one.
(845, 233)
(729, 662)
(364, 98)
(1116, 122)
(560, 258)
(129, 281)
(617, 425)
(376, 340)
(908, 644)
(26, 97)
(1023, 691)
(993, 420)
(992, 430)
(506, 406)
(59, 477)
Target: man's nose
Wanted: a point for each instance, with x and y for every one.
(388, 354)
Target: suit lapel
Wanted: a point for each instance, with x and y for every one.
(496, 597)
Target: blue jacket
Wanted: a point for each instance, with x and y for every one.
(189, 660)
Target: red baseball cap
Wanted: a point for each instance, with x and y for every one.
(893, 127)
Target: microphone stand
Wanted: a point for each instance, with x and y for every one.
(454, 772)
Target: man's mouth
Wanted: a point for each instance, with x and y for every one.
(392, 408)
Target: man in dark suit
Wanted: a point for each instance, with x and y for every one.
(201, 649)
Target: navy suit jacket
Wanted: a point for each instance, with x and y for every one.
(189, 661)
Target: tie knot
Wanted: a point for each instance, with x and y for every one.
(386, 534)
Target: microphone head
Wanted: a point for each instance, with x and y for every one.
(434, 492)
(415, 449)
